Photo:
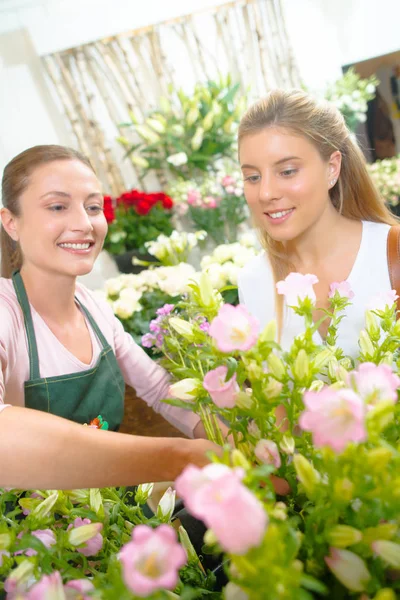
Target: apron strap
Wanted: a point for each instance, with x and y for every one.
(30, 331)
(94, 325)
(34, 372)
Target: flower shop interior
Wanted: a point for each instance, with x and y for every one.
(153, 94)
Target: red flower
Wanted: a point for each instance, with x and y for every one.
(109, 211)
(167, 203)
(143, 207)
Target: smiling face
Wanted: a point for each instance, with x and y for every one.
(61, 226)
(286, 181)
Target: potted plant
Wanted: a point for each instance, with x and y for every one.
(135, 218)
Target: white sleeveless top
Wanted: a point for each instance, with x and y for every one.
(368, 277)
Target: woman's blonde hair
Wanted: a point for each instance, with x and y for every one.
(15, 180)
(354, 195)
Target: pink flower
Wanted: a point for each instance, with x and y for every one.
(234, 328)
(91, 546)
(228, 180)
(76, 589)
(223, 393)
(152, 559)
(46, 536)
(193, 197)
(267, 452)
(50, 586)
(219, 498)
(297, 287)
(375, 383)
(343, 289)
(335, 417)
(383, 300)
(349, 569)
(193, 479)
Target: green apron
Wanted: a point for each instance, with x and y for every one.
(82, 396)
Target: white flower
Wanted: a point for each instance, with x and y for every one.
(185, 389)
(178, 159)
(217, 276)
(125, 308)
(113, 286)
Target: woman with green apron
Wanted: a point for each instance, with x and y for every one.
(62, 351)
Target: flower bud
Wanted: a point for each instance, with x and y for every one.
(332, 367)
(139, 161)
(322, 359)
(301, 365)
(21, 574)
(388, 551)
(84, 533)
(344, 490)
(96, 501)
(166, 506)
(384, 531)
(365, 344)
(372, 327)
(239, 460)
(287, 444)
(378, 458)
(254, 370)
(342, 536)
(268, 334)
(187, 545)
(208, 297)
(273, 388)
(306, 474)
(43, 509)
(210, 538)
(143, 492)
(349, 569)
(341, 374)
(182, 327)
(385, 594)
(380, 416)
(5, 541)
(244, 400)
(387, 359)
(197, 139)
(186, 389)
(316, 385)
(276, 366)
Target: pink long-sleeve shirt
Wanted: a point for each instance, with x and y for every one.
(150, 381)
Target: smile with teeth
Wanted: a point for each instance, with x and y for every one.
(280, 214)
(85, 246)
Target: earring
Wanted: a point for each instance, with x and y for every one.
(332, 183)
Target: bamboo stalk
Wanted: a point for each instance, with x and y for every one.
(153, 91)
(112, 110)
(293, 72)
(225, 44)
(103, 152)
(48, 63)
(183, 34)
(201, 50)
(253, 57)
(238, 73)
(155, 55)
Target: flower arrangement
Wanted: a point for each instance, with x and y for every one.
(176, 248)
(350, 95)
(305, 506)
(136, 218)
(216, 205)
(135, 299)
(83, 544)
(386, 176)
(308, 423)
(187, 133)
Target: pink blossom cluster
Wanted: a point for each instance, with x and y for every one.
(216, 495)
(197, 200)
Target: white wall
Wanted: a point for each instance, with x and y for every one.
(325, 35)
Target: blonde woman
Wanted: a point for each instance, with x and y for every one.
(317, 211)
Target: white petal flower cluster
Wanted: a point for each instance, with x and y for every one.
(386, 177)
(176, 248)
(224, 263)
